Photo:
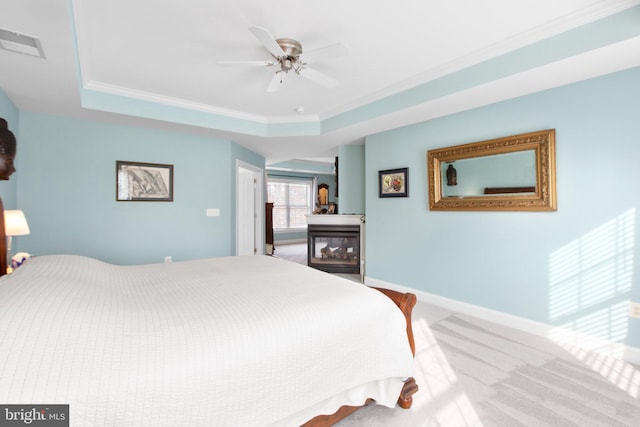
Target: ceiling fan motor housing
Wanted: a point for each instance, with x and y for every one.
(292, 48)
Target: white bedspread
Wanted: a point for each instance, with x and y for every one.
(234, 341)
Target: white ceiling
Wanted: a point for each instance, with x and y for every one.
(165, 53)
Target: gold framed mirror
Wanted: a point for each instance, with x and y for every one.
(514, 173)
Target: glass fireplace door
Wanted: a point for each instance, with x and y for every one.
(335, 249)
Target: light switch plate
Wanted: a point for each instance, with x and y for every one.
(634, 310)
(213, 212)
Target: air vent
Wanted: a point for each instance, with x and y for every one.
(21, 43)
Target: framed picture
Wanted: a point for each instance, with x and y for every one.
(143, 182)
(394, 182)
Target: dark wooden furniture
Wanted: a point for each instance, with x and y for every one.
(507, 190)
(405, 302)
(268, 226)
(3, 243)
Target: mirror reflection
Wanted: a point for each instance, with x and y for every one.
(323, 194)
(509, 173)
(512, 173)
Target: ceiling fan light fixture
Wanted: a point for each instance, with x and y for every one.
(287, 64)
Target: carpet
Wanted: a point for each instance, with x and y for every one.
(296, 252)
(475, 373)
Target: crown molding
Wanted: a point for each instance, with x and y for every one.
(589, 14)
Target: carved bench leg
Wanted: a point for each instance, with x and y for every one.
(406, 395)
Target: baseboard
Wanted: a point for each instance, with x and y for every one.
(567, 337)
(632, 355)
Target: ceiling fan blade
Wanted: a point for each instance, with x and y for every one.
(250, 63)
(267, 40)
(331, 51)
(318, 77)
(277, 81)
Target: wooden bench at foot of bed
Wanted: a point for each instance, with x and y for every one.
(405, 302)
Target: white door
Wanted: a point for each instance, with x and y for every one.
(249, 210)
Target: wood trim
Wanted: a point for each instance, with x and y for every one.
(3, 243)
(409, 388)
(329, 420)
(405, 302)
(268, 227)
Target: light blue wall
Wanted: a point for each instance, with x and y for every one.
(8, 189)
(351, 182)
(67, 190)
(576, 266)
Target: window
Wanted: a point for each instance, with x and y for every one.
(292, 200)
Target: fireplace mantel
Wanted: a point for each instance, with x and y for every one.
(337, 219)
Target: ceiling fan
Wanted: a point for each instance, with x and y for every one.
(286, 55)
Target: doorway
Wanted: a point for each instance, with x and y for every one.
(249, 209)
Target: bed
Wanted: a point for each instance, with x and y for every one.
(231, 341)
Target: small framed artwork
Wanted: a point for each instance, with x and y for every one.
(143, 182)
(394, 182)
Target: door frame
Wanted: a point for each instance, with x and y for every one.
(259, 205)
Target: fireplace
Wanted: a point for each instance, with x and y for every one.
(335, 243)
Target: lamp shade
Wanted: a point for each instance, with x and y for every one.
(15, 224)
